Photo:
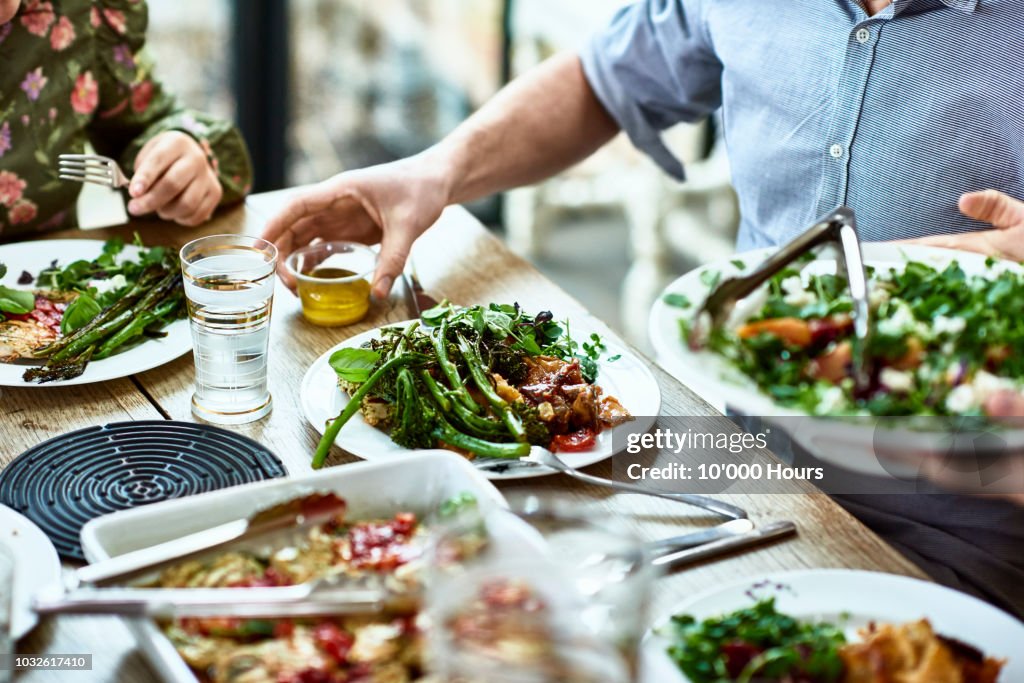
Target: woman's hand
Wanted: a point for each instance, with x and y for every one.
(1004, 213)
(174, 178)
(392, 204)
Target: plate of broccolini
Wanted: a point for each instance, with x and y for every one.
(485, 381)
(82, 311)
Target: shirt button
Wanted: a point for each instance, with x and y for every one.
(836, 151)
(863, 35)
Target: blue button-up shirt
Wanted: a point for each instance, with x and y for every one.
(895, 115)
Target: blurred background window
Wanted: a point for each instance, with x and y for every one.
(320, 86)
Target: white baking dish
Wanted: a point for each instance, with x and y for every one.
(417, 483)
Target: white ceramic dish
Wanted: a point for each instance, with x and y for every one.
(34, 257)
(847, 443)
(418, 483)
(825, 594)
(36, 566)
(628, 378)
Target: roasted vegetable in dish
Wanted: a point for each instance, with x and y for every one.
(942, 344)
(376, 648)
(486, 381)
(89, 310)
(758, 643)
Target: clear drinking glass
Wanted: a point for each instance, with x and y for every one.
(229, 284)
(540, 593)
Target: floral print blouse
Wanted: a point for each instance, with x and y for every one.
(73, 71)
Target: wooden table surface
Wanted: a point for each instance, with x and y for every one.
(458, 259)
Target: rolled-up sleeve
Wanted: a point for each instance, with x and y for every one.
(654, 67)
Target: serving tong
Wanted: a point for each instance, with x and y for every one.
(838, 228)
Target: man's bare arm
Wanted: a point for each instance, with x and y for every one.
(543, 122)
(539, 125)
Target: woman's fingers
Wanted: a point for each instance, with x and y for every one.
(152, 161)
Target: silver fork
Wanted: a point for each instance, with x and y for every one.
(542, 457)
(92, 168)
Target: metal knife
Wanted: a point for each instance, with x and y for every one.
(770, 532)
(417, 299)
(734, 527)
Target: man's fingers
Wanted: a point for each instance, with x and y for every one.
(165, 189)
(306, 203)
(394, 250)
(993, 207)
(963, 241)
(152, 161)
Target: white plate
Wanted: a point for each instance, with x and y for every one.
(417, 483)
(34, 257)
(847, 443)
(628, 378)
(825, 594)
(36, 566)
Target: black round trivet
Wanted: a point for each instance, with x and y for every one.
(63, 483)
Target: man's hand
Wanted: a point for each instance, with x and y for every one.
(1004, 213)
(392, 204)
(174, 179)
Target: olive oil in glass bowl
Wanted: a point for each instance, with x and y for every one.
(333, 281)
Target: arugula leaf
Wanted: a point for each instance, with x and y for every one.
(432, 317)
(738, 263)
(3, 270)
(79, 313)
(354, 365)
(16, 301)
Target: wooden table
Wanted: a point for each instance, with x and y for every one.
(457, 259)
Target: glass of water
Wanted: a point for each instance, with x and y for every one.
(229, 284)
(540, 593)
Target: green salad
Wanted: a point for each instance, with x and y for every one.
(757, 643)
(943, 342)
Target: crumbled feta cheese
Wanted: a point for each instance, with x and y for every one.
(747, 307)
(902, 320)
(986, 384)
(832, 399)
(961, 399)
(795, 293)
(111, 284)
(945, 325)
(877, 296)
(896, 380)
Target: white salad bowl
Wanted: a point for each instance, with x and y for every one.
(853, 443)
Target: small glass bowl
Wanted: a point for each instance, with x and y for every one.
(333, 281)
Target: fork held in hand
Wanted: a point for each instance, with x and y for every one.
(92, 168)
